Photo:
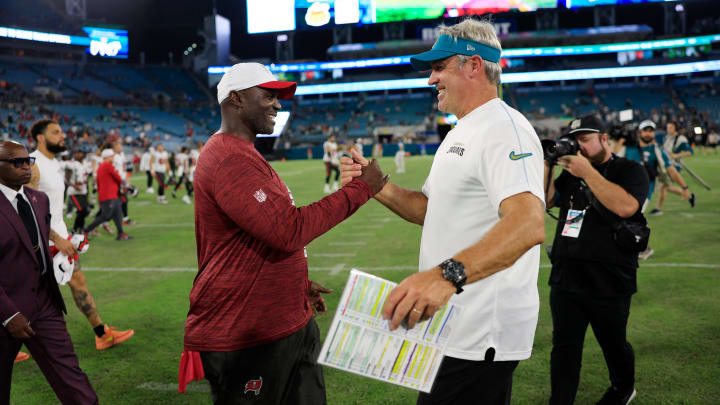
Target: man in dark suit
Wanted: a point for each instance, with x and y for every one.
(31, 306)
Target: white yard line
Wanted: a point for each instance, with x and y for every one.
(700, 214)
(177, 225)
(376, 268)
(333, 254)
(193, 387)
(347, 243)
(337, 269)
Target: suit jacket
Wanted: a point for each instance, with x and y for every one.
(20, 271)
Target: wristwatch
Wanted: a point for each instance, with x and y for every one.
(454, 272)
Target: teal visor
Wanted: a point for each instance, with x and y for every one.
(447, 46)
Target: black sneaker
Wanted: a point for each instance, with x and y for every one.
(692, 200)
(124, 236)
(656, 212)
(614, 396)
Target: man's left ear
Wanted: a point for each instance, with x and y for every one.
(235, 99)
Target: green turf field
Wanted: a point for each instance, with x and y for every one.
(674, 324)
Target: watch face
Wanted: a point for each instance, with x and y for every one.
(454, 271)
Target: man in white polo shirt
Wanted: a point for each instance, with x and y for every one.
(481, 209)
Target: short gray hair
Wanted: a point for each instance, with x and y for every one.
(479, 31)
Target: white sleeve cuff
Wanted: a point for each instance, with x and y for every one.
(7, 321)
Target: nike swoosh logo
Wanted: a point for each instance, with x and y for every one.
(513, 156)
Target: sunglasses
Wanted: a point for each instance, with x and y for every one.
(19, 162)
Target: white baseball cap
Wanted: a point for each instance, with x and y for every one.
(106, 153)
(647, 123)
(243, 76)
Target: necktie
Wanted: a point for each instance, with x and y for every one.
(26, 215)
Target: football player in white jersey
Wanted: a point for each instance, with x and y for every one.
(332, 163)
(400, 158)
(192, 163)
(78, 189)
(119, 163)
(145, 167)
(48, 178)
(160, 166)
(182, 170)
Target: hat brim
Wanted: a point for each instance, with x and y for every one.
(421, 61)
(582, 131)
(285, 90)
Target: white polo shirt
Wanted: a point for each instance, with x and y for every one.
(493, 153)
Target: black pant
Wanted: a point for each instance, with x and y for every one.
(329, 167)
(80, 202)
(160, 177)
(281, 372)
(123, 203)
(109, 209)
(462, 382)
(571, 314)
(182, 180)
(149, 178)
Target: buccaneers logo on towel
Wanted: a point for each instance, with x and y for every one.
(253, 385)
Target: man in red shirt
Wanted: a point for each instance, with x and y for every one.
(108, 183)
(251, 305)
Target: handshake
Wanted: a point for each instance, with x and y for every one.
(367, 171)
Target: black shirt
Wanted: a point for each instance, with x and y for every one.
(592, 263)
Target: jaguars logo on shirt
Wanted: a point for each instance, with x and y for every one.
(457, 148)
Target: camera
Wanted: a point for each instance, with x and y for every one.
(553, 149)
(626, 129)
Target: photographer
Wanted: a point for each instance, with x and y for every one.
(593, 266)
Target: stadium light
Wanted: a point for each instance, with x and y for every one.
(507, 54)
(523, 77)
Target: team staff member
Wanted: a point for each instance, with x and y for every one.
(592, 278)
(48, 177)
(251, 304)
(109, 182)
(31, 306)
(481, 210)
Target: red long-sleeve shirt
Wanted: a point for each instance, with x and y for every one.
(252, 283)
(108, 181)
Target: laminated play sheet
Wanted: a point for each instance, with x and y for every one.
(360, 340)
